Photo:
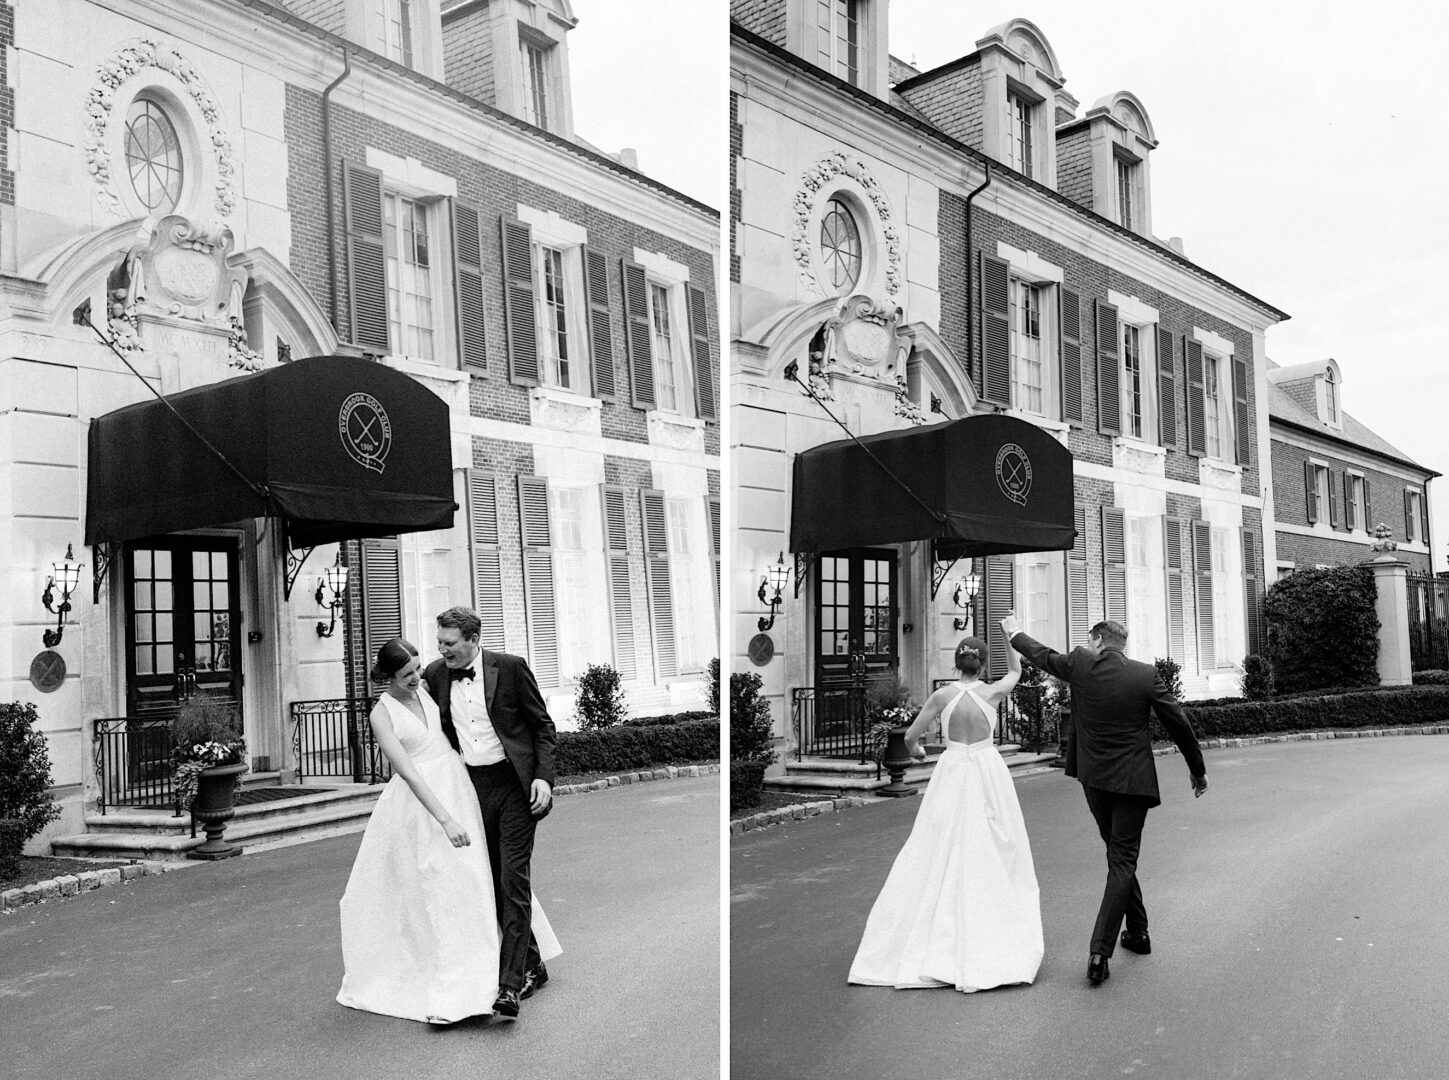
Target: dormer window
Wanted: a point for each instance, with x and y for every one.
(535, 61)
(1330, 390)
(398, 31)
(1126, 190)
(1021, 132)
(837, 24)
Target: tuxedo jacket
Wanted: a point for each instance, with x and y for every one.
(515, 707)
(1113, 699)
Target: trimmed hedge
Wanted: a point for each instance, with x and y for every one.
(13, 834)
(1323, 629)
(632, 746)
(671, 718)
(1408, 706)
(747, 781)
(1431, 677)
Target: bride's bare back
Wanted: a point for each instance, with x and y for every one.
(966, 723)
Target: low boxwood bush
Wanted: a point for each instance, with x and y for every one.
(670, 718)
(627, 747)
(1407, 706)
(747, 781)
(1431, 677)
(24, 773)
(12, 845)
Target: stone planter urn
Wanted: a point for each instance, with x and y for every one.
(896, 761)
(216, 805)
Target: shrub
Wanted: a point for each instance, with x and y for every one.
(714, 686)
(1408, 706)
(670, 718)
(599, 700)
(1036, 716)
(752, 731)
(1322, 629)
(626, 747)
(205, 733)
(1257, 678)
(747, 781)
(24, 776)
(1431, 677)
(12, 846)
(1170, 672)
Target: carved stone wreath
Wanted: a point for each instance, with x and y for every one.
(99, 102)
(812, 181)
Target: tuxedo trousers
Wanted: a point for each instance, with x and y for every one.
(508, 826)
(1119, 819)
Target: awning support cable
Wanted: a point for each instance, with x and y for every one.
(792, 372)
(82, 317)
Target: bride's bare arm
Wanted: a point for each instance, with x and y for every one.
(402, 764)
(925, 718)
(996, 692)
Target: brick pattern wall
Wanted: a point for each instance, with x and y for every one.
(1304, 392)
(330, 15)
(763, 17)
(1290, 505)
(468, 53)
(953, 102)
(737, 148)
(1074, 166)
(7, 103)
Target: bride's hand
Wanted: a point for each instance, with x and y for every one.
(457, 835)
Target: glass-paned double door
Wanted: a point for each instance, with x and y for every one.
(856, 644)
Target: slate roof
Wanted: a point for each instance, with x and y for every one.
(1283, 404)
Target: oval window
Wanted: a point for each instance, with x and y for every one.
(840, 245)
(153, 156)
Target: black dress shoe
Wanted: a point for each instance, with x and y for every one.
(506, 1004)
(1138, 943)
(1097, 972)
(533, 979)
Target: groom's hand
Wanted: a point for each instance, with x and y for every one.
(1199, 785)
(541, 795)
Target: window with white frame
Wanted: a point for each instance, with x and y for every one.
(1035, 577)
(1126, 172)
(1134, 384)
(555, 326)
(426, 568)
(537, 70)
(1222, 541)
(1029, 382)
(1217, 406)
(571, 578)
(1330, 395)
(1143, 601)
(840, 247)
(411, 275)
(1356, 502)
(1414, 517)
(398, 31)
(690, 620)
(1318, 512)
(153, 156)
(662, 326)
(1022, 112)
(837, 38)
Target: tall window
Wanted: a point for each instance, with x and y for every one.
(1133, 398)
(573, 584)
(1034, 586)
(1222, 596)
(1357, 510)
(837, 24)
(535, 59)
(153, 156)
(1413, 517)
(399, 31)
(1143, 604)
(1126, 176)
(1330, 389)
(1212, 406)
(555, 328)
(840, 245)
(666, 380)
(409, 275)
(1027, 365)
(425, 563)
(690, 619)
(1021, 113)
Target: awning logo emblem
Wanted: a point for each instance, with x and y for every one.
(365, 430)
(1013, 473)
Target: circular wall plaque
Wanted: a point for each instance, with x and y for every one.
(762, 650)
(47, 671)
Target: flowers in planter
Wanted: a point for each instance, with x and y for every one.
(206, 733)
(888, 705)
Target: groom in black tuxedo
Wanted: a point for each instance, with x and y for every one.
(494, 715)
(1110, 752)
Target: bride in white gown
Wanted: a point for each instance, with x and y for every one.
(960, 907)
(419, 926)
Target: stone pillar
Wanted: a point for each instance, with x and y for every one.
(1392, 608)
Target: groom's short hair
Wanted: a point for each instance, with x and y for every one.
(464, 620)
(1111, 633)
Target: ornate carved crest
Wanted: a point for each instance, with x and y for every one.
(862, 340)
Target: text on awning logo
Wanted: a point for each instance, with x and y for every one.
(366, 431)
(1013, 473)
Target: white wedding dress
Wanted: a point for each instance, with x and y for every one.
(960, 906)
(419, 926)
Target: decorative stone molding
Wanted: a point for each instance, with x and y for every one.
(675, 432)
(132, 60)
(1384, 541)
(563, 411)
(1219, 475)
(817, 178)
(1137, 457)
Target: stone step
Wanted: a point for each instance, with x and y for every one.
(161, 836)
(834, 777)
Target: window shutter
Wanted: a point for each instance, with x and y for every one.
(1408, 517)
(366, 261)
(1166, 390)
(711, 506)
(1109, 372)
(1424, 517)
(381, 594)
(1070, 307)
(1368, 507)
(1253, 599)
(621, 595)
(1350, 512)
(1242, 419)
(1176, 591)
(1114, 562)
(1333, 512)
(661, 600)
(520, 318)
(1196, 406)
(1202, 556)
(1000, 601)
(1077, 620)
(704, 394)
(995, 331)
(468, 285)
(1310, 491)
(538, 598)
(637, 331)
(487, 557)
(601, 330)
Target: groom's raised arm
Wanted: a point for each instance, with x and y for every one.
(1049, 660)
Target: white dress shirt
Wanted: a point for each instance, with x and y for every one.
(476, 738)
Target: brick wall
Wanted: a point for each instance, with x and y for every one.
(1074, 166)
(763, 17)
(737, 148)
(953, 102)
(7, 103)
(468, 52)
(330, 15)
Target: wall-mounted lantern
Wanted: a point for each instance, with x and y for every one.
(964, 598)
(772, 588)
(65, 575)
(333, 582)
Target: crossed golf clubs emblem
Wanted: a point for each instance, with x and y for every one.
(368, 441)
(1013, 473)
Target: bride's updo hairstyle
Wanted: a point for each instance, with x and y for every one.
(970, 655)
(392, 658)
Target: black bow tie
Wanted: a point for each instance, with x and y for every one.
(461, 673)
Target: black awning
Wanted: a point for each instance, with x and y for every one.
(989, 484)
(338, 448)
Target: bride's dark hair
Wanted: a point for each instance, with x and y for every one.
(970, 655)
(392, 658)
